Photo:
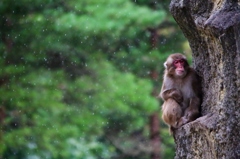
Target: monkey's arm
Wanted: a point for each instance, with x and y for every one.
(172, 93)
(193, 112)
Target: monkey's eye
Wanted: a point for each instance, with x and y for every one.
(178, 62)
(181, 61)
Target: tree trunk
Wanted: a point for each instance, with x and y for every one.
(213, 31)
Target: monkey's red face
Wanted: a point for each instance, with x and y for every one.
(179, 67)
(176, 66)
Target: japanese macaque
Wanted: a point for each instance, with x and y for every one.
(181, 92)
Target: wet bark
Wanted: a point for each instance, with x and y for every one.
(213, 31)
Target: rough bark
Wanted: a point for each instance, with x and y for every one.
(213, 31)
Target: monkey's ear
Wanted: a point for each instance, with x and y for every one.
(165, 64)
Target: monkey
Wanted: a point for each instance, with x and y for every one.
(181, 92)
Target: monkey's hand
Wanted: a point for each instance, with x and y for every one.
(182, 121)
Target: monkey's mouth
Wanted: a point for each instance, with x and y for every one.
(180, 72)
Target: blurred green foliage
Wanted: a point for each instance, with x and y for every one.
(74, 77)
